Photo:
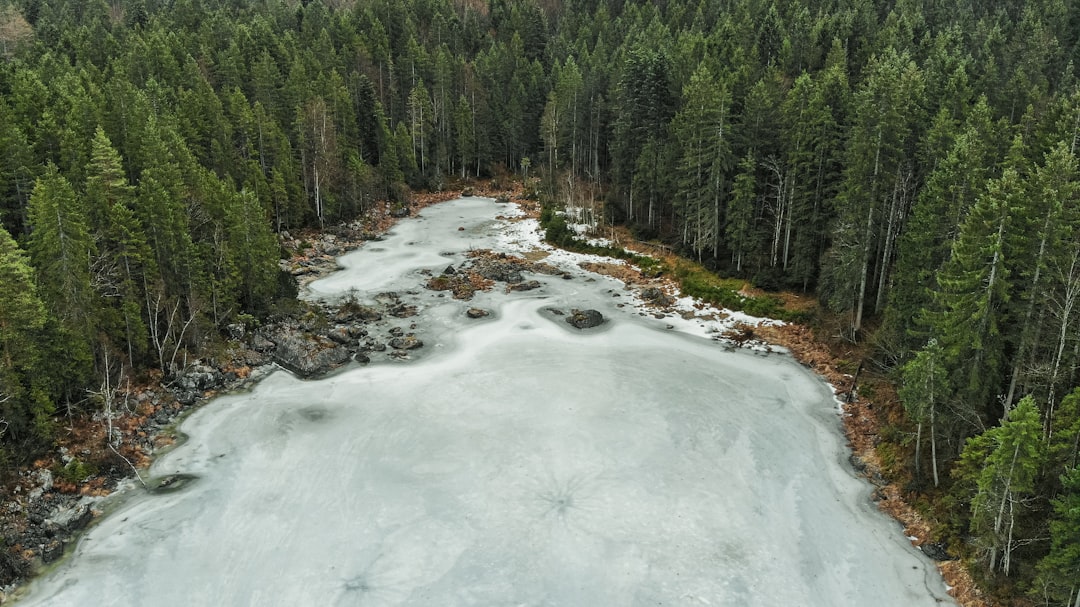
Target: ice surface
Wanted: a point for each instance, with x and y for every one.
(523, 462)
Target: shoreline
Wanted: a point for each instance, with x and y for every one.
(857, 421)
(46, 507)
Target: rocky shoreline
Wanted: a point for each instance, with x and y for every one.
(47, 505)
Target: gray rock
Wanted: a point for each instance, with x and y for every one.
(585, 319)
(408, 342)
(397, 331)
(476, 313)
(403, 311)
(936, 551)
(449, 270)
(307, 354)
(44, 478)
(199, 377)
(340, 335)
(657, 297)
(261, 344)
(75, 518)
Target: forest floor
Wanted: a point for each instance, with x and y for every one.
(47, 504)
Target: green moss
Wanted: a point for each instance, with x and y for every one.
(76, 471)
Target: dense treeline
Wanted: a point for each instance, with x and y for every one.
(913, 162)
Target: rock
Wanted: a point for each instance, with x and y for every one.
(399, 212)
(467, 192)
(260, 344)
(306, 354)
(408, 342)
(356, 331)
(340, 335)
(476, 313)
(936, 551)
(236, 330)
(52, 551)
(857, 463)
(374, 345)
(362, 358)
(449, 270)
(403, 311)
(368, 313)
(501, 271)
(44, 479)
(199, 377)
(525, 286)
(397, 331)
(657, 297)
(387, 298)
(74, 519)
(585, 319)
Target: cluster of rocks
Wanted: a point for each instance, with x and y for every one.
(501, 267)
(323, 341)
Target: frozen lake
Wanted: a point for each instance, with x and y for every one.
(514, 461)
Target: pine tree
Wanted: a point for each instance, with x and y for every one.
(975, 289)
(1058, 581)
(62, 251)
(703, 129)
(24, 410)
(1005, 461)
(876, 190)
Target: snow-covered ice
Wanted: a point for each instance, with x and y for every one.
(523, 462)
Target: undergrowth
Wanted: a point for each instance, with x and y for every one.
(694, 280)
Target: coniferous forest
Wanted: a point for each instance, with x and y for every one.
(913, 163)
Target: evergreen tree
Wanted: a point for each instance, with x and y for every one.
(1059, 571)
(62, 251)
(703, 129)
(1005, 462)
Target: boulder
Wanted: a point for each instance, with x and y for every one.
(74, 519)
(936, 551)
(368, 313)
(476, 313)
(261, 344)
(340, 335)
(525, 286)
(306, 354)
(449, 270)
(657, 297)
(585, 319)
(399, 212)
(408, 342)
